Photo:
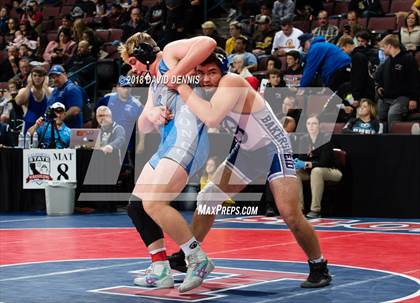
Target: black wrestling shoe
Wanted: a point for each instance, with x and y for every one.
(318, 276)
(177, 261)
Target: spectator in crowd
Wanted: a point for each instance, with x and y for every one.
(286, 39)
(288, 109)
(4, 16)
(263, 36)
(125, 108)
(115, 18)
(88, 7)
(329, 61)
(61, 49)
(397, 82)
(238, 67)
(33, 97)
(324, 29)
(410, 33)
(79, 27)
(366, 121)
(9, 67)
(307, 9)
(112, 136)
(294, 69)
(266, 8)
(283, 10)
(305, 41)
(235, 32)
(12, 113)
(156, 18)
(416, 7)
(362, 83)
(317, 165)
(250, 60)
(94, 42)
(69, 94)
(33, 14)
(27, 32)
(209, 29)
(81, 59)
(61, 132)
(101, 8)
(12, 28)
(66, 22)
(24, 71)
(366, 8)
(134, 25)
(42, 42)
(272, 63)
(272, 92)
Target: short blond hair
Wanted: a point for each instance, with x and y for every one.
(391, 40)
(372, 107)
(132, 42)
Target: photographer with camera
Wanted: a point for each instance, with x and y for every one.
(51, 130)
(34, 96)
(33, 15)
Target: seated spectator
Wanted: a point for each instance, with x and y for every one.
(263, 36)
(238, 67)
(12, 113)
(33, 97)
(286, 40)
(125, 108)
(82, 58)
(209, 29)
(61, 132)
(366, 8)
(397, 82)
(416, 7)
(250, 60)
(155, 20)
(12, 28)
(283, 10)
(4, 16)
(324, 29)
(66, 22)
(33, 14)
(134, 25)
(366, 121)
(235, 32)
(112, 136)
(410, 33)
(294, 69)
(79, 27)
(24, 71)
(288, 108)
(272, 63)
(61, 49)
(69, 94)
(329, 61)
(95, 43)
(270, 89)
(115, 18)
(9, 66)
(101, 8)
(317, 165)
(86, 6)
(308, 9)
(266, 8)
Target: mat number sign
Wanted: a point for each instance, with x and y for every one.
(43, 165)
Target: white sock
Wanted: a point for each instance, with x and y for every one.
(190, 247)
(319, 260)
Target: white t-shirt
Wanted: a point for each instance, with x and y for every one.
(292, 41)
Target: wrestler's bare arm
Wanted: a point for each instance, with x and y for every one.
(230, 91)
(182, 56)
(152, 116)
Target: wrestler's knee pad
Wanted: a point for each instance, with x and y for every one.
(147, 228)
(211, 195)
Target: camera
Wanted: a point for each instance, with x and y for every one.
(49, 114)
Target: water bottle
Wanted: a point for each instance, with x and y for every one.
(34, 140)
(28, 140)
(21, 141)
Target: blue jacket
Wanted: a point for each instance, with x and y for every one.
(324, 58)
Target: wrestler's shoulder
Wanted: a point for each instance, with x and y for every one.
(232, 80)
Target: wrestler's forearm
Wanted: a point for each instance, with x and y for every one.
(200, 107)
(144, 125)
(198, 51)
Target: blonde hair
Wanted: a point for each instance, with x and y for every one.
(79, 27)
(372, 108)
(127, 48)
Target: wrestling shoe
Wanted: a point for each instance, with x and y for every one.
(158, 275)
(318, 275)
(177, 261)
(199, 267)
